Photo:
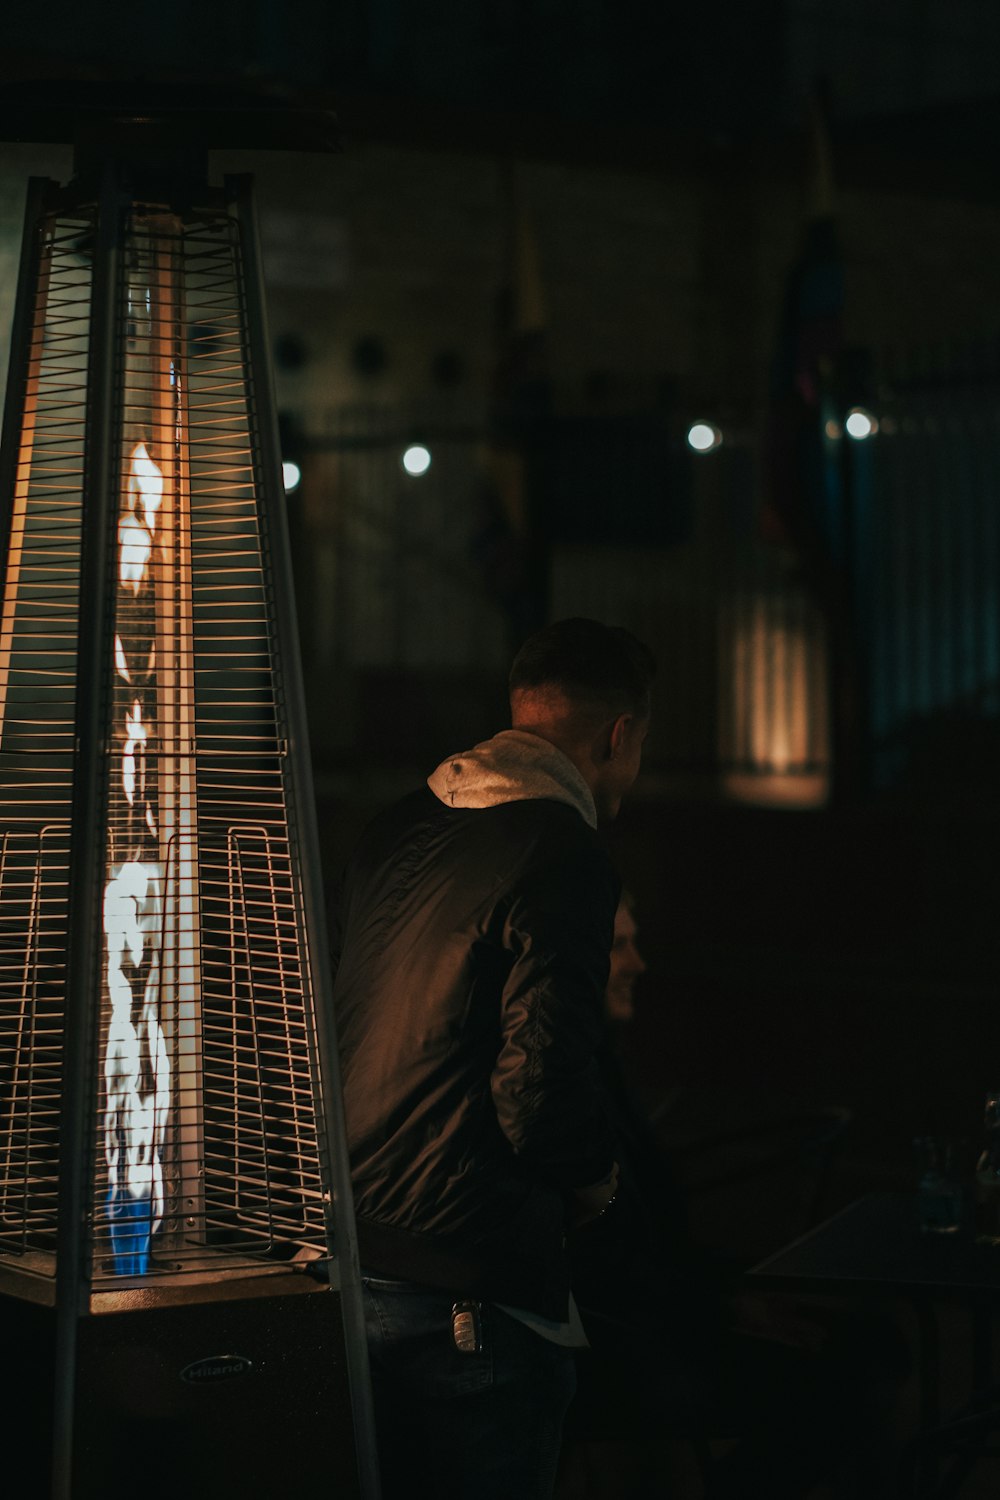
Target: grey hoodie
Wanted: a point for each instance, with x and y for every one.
(513, 766)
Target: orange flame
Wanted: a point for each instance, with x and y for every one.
(137, 526)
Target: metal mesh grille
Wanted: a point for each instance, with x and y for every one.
(205, 1141)
(261, 1151)
(38, 636)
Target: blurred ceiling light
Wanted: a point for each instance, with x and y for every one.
(291, 476)
(860, 424)
(417, 459)
(703, 437)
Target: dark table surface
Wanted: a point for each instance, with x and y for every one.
(877, 1243)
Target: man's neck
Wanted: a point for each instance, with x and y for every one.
(574, 752)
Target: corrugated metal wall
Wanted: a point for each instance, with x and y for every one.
(928, 569)
(386, 560)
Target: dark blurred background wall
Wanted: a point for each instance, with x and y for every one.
(557, 236)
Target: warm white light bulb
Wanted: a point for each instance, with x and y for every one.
(860, 424)
(703, 437)
(416, 459)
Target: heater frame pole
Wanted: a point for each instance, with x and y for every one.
(87, 824)
(239, 188)
(20, 340)
(19, 385)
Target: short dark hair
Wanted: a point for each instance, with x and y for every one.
(592, 663)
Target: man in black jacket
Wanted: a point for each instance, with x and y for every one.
(476, 925)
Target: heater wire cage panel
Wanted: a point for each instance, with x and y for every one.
(205, 1147)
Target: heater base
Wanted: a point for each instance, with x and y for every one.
(244, 1398)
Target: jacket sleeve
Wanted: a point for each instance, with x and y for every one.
(558, 931)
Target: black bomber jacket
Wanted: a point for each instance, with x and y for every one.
(473, 956)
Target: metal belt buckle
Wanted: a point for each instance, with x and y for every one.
(466, 1329)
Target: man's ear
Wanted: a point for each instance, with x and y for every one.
(617, 734)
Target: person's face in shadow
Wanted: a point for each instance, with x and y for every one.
(627, 963)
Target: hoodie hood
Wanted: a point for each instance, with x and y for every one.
(512, 767)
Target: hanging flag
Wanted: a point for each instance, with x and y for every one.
(801, 503)
(509, 542)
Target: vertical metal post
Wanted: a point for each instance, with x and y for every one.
(293, 711)
(83, 989)
(21, 348)
(20, 410)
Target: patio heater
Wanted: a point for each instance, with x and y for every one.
(171, 1151)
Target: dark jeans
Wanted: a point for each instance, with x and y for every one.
(455, 1426)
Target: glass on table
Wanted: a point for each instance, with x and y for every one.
(940, 1195)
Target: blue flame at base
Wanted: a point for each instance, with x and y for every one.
(131, 1221)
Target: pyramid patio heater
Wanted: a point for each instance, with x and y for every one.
(172, 1169)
